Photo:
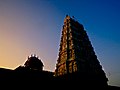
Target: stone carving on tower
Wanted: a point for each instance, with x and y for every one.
(76, 54)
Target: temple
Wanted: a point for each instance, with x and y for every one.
(77, 59)
(77, 64)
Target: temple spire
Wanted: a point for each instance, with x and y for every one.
(76, 54)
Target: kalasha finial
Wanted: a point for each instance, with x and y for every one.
(33, 55)
(67, 15)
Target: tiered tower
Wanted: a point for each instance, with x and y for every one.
(76, 54)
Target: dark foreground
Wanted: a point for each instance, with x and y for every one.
(26, 79)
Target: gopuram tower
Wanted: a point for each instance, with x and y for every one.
(77, 59)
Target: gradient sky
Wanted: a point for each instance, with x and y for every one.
(34, 27)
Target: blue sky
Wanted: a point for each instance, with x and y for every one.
(34, 27)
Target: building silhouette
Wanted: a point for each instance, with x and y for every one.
(77, 66)
(77, 59)
(34, 63)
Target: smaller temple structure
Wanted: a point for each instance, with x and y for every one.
(34, 63)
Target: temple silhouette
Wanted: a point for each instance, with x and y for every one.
(77, 59)
(77, 64)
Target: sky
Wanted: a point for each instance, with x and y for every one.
(34, 27)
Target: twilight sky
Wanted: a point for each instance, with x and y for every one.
(34, 27)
